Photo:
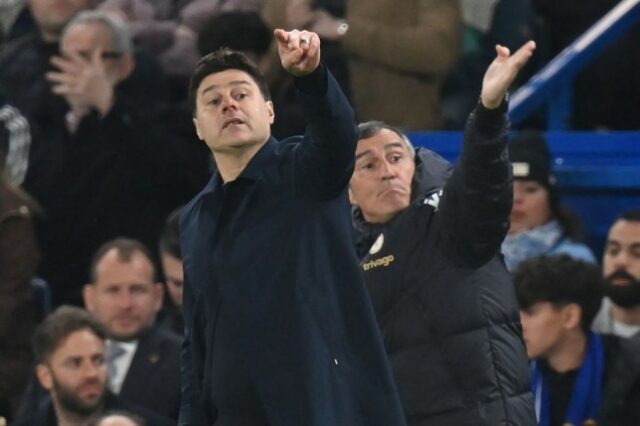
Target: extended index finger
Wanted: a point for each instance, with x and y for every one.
(522, 55)
(281, 36)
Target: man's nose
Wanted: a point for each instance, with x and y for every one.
(228, 103)
(91, 370)
(620, 260)
(387, 170)
(124, 299)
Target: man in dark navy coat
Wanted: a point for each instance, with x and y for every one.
(279, 329)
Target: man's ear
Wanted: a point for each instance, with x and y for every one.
(44, 376)
(127, 65)
(89, 296)
(572, 316)
(272, 114)
(158, 293)
(352, 198)
(195, 124)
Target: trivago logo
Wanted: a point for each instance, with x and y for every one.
(382, 261)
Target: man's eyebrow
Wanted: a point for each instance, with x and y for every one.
(230, 84)
(363, 153)
(389, 146)
(392, 145)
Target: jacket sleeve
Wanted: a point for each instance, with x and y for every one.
(476, 202)
(324, 161)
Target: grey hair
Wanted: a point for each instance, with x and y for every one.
(121, 35)
(369, 129)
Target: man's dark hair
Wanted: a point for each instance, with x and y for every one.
(369, 129)
(137, 420)
(126, 248)
(241, 31)
(170, 237)
(560, 280)
(222, 60)
(632, 215)
(58, 326)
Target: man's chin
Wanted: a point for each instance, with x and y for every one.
(625, 294)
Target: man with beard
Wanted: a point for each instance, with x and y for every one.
(620, 312)
(70, 351)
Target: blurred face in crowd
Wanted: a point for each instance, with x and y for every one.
(545, 328)
(381, 181)
(621, 263)
(174, 275)
(52, 15)
(231, 113)
(124, 297)
(530, 205)
(85, 39)
(76, 374)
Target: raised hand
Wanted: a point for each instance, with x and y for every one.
(299, 51)
(502, 72)
(83, 82)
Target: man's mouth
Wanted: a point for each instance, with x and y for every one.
(232, 122)
(620, 278)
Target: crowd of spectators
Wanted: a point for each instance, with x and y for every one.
(98, 154)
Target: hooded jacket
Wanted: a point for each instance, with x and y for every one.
(442, 295)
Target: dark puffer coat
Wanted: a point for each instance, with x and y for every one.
(442, 295)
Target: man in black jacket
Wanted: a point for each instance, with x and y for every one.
(443, 298)
(101, 163)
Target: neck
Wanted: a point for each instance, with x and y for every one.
(65, 418)
(569, 354)
(628, 316)
(231, 163)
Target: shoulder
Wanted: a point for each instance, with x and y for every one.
(576, 250)
(18, 47)
(44, 416)
(161, 337)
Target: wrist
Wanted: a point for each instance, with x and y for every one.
(494, 103)
(105, 104)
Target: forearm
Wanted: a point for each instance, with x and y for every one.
(326, 155)
(477, 199)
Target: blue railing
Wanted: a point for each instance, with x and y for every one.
(554, 82)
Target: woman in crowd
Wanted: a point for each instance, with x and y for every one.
(540, 225)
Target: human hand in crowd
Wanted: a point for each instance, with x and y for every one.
(502, 72)
(299, 51)
(84, 82)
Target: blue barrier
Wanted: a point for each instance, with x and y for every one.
(554, 81)
(598, 173)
